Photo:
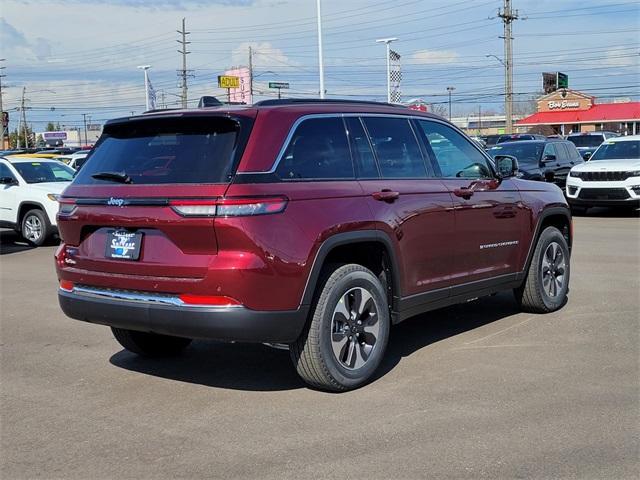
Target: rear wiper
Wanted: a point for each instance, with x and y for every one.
(113, 176)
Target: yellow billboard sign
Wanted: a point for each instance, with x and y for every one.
(225, 81)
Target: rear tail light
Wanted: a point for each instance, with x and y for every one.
(66, 206)
(66, 285)
(212, 300)
(229, 207)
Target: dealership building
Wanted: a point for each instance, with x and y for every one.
(570, 111)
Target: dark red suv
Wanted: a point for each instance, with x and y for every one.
(315, 224)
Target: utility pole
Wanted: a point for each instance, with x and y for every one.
(184, 73)
(450, 90)
(84, 121)
(24, 119)
(508, 16)
(1, 109)
(250, 73)
(479, 119)
(146, 84)
(320, 54)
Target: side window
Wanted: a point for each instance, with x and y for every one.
(318, 149)
(565, 157)
(549, 149)
(363, 157)
(5, 172)
(574, 154)
(396, 147)
(454, 154)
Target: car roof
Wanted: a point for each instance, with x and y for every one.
(628, 138)
(536, 140)
(301, 106)
(27, 159)
(599, 132)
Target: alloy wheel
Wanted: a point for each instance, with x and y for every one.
(553, 270)
(32, 228)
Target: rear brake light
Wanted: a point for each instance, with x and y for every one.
(194, 208)
(66, 285)
(213, 300)
(66, 206)
(229, 207)
(238, 207)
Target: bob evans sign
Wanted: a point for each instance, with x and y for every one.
(554, 105)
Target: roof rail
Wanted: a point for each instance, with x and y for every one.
(155, 110)
(293, 101)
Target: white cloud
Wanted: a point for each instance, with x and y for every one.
(621, 57)
(265, 56)
(434, 57)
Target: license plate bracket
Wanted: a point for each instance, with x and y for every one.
(123, 244)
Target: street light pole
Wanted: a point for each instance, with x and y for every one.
(146, 84)
(450, 90)
(320, 54)
(387, 42)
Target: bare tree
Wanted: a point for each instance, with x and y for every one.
(439, 109)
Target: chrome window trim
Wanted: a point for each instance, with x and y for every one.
(138, 297)
(311, 116)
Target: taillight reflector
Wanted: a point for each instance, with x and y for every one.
(213, 300)
(66, 285)
(229, 207)
(66, 205)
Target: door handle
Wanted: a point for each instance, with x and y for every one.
(386, 195)
(464, 192)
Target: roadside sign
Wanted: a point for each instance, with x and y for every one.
(563, 80)
(226, 81)
(278, 85)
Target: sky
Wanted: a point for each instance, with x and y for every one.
(80, 56)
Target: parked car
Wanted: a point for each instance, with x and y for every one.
(313, 224)
(610, 179)
(74, 160)
(516, 137)
(546, 160)
(587, 142)
(28, 192)
(490, 140)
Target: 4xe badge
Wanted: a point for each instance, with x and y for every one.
(123, 245)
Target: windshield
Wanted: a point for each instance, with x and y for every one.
(524, 152)
(588, 141)
(169, 150)
(617, 151)
(39, 172)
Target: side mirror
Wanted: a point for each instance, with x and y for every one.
(587, 155)
(506, 166)
(8, 181)
(548, 158)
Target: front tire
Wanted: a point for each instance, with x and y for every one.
(35, 227)
(547, 283)
(346, 337)
(150, 344)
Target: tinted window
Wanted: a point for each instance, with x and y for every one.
(396, 147)
(525, 152)
(574, 154)
(514, 138)
(160, 151)
(618, 150)
(39, 172)
(550, 149)
(454, 154)
(563, 154)
(586, 140)
(362, 154)
(318, 149)
(5, 172)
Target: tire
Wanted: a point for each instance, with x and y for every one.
(546, 286)
(35, 227)
(336, 351)
(150, 344)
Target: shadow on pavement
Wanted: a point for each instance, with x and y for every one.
(604, 212)
(261, 368)
(11, 242)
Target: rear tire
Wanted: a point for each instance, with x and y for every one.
(35, 227)
(547, 284)
(345, 339)
(150, 344)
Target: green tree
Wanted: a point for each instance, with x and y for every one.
(51, 127)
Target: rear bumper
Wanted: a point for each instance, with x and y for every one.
(217, 323)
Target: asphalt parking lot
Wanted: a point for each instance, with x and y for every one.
(472, 391)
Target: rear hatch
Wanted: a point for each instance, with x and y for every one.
(142, 205)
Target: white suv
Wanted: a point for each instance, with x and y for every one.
(610, 178)
(28, 191)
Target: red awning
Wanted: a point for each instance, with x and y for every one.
(605, 113)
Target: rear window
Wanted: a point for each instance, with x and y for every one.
(514, 138)
(174, 150)
(586, 140)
